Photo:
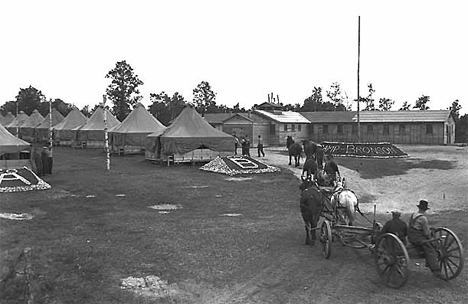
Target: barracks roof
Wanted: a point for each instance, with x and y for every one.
(330, 116)
(403, 116)
(284, 117)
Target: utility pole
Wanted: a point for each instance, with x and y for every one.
(358, 97)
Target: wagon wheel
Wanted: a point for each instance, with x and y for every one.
(391, 259)
(450, 254)
(326, 238)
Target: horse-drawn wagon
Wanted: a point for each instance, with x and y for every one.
(391, 255)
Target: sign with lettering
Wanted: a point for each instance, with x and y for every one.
(372, 150)
(233, 165)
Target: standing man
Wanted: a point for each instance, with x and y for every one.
(45, 160)
(319, 156)
(236, 143)
(419, 233)
(331, 168)
(260, 146)
(38, 162)
(246, 146)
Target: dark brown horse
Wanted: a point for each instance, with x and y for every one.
(312, 203)
(309, 148)
(310, 168)
(295, 150)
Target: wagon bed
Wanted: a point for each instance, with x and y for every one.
(391, 256)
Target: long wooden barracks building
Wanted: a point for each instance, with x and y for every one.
(433, 127)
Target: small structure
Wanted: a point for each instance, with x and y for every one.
(268, 120)
(408, 127)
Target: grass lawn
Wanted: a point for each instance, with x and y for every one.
(83, 246)
(95, 228)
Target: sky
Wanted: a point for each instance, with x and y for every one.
(244, 49)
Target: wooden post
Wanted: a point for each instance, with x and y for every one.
(17, 125)
(106, 135)
(50, 126)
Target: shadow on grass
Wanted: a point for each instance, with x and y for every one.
(375, 168)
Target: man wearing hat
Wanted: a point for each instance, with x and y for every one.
(418, 234)
(331, 168)
(396, 226)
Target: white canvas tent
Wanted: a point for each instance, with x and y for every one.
(130, 135)
(16, 123)
(14, 152)
(27, 128)
(189, 138)
(42, 132)
(65, 131)
(91, 134)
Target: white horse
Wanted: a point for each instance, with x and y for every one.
(344, 202)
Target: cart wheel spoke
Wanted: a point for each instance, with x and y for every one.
(446, 266)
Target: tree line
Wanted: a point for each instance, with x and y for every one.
(123, 92)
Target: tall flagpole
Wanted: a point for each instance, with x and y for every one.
(358, 98)
(106, 135)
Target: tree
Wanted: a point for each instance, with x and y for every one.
(385, 104)
(176, 105)
(461, 129)
(421, 103)
(335, 96)
(85, 111)
(455, 109)
(405, 107)
(311, 104)
(28, 100)
(160, 107)
(123, 90)
(369, 100)
(204, 98)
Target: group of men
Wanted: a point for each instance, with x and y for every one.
(244, 142)
(43, 161)
(417, 232)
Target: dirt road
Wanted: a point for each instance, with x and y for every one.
(300, 274)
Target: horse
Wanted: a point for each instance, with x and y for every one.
(295, 150)
(344, 202)
(310, 149)
(310, 168)
(312, 203)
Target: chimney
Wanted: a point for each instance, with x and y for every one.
(248, 113)
(277, 98)
(268, 98)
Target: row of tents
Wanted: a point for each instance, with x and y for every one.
(189, 137)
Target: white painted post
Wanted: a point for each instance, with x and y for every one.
(106, 136)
